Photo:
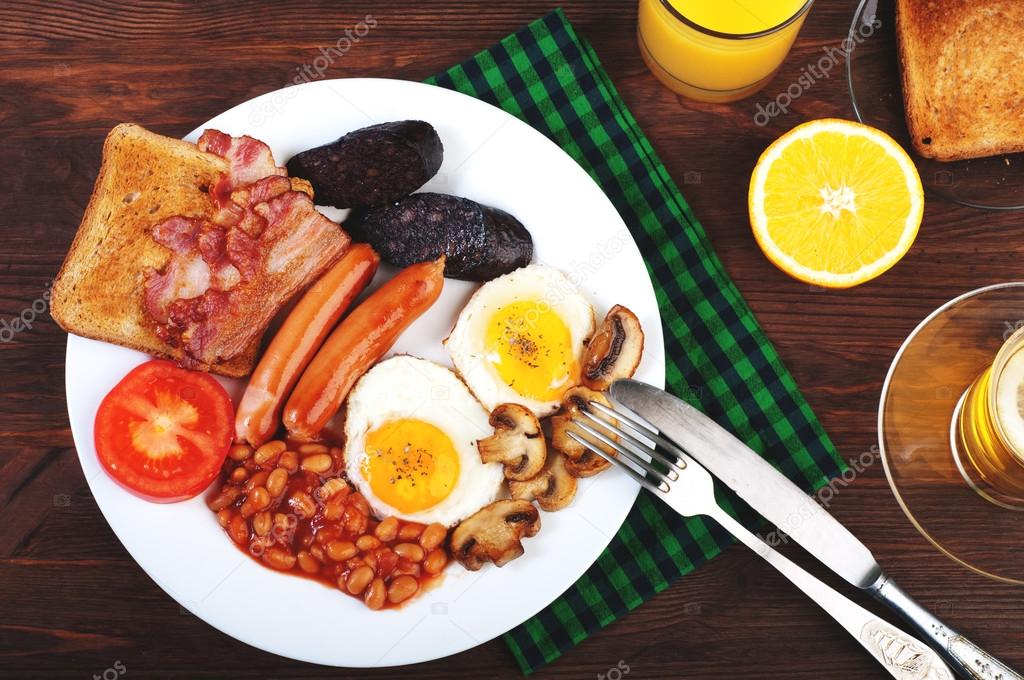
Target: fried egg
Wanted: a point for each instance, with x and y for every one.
(410, 443)
(520, 339)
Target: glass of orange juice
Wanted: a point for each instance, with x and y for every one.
(718, 50)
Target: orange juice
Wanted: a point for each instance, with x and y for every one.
(718, 50)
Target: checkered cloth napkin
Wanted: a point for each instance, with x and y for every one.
(718, 357)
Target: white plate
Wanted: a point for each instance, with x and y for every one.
(495, 159)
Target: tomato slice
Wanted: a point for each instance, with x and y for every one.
(163, 431)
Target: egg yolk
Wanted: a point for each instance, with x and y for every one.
(410, 464)
(530, 348)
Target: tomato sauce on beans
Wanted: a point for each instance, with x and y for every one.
(288, 506)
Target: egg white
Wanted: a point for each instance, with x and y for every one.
(535, 283)
(408, 387)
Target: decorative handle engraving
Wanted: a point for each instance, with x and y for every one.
(905, 657)
(979, 663)
(967, 658)
(902, 655)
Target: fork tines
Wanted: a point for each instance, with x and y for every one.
(653, 461)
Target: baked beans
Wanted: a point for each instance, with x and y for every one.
(402, 588)
(435, 561)
(238, 529)
(239, 452)
(279, 558)
(269, 452)
(358, 579)
(258, 479)
(410, 551)
(376, 593)
(339, 551)
(307, 562)
(276, 482)
(290, 507)
(289, 461)
(387, 530)
(261, 523)
(318, 462)
(433, 536)
(367, 542)
(410, 531)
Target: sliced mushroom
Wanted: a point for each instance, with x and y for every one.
(615, 350)
(517, 442)
(587, 465)
(553, 489)
(494, 533)
(582, 462)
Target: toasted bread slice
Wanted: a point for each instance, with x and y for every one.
(144, 179)
(963, 76)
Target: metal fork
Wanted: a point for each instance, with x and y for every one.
(665, 470)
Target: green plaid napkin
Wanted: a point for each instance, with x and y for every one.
(718, 357)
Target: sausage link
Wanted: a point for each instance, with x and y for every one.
(362, 338)
(298, 339)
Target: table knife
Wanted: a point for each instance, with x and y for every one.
(785, 505)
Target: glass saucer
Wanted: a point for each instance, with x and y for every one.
(873, 76)
(931, 371)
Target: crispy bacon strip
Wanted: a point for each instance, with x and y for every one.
(229, 274)
(297, 246)
(250, 158)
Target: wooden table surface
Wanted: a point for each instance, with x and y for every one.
(73, 604)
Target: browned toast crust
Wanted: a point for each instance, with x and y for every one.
(962, 64)
(144, 178)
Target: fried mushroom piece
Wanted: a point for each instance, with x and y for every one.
(517, 442)
(553, 489)
(615, 350)
(587, 465)
(581, 461)
(494, 533)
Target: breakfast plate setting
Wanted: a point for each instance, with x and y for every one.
(545, 188)
(406, 367)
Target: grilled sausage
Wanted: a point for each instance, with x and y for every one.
(298, 339)
(357, 343)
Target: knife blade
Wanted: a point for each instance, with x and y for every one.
(754, 479)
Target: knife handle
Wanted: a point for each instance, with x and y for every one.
(902, 655)
(967, 659)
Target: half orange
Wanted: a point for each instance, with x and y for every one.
(835, 203)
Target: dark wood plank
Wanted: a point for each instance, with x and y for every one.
(74, 604)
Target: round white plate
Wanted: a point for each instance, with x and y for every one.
(493, 158)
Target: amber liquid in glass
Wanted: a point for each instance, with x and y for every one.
(989, 432)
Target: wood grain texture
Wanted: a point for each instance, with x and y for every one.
(72, 601)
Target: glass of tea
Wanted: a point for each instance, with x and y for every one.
(951, 430)
(988, 429)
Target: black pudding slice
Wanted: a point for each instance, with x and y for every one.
(371, 166)
(480, 242)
